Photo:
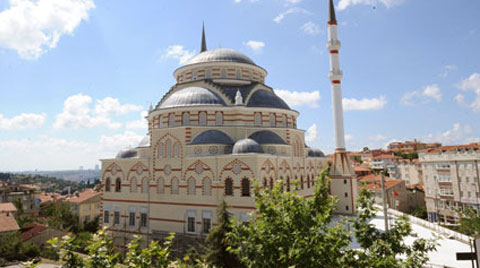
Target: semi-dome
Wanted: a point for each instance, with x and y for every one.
(212, 136)
(245, 146)
(315, 153)
(266, 137)
(266, 98)
(145, 142)
(220, 54)
(192, 96)
(127, 153)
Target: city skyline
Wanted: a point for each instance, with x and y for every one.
(75, 87)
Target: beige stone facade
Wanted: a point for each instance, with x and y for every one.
(215, 132)
(451, 179)
(409, 171)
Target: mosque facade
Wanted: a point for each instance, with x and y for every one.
(219, 128)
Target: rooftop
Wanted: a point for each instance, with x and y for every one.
(32, 230)
(8, 223)
(84, 196)
(7, 207)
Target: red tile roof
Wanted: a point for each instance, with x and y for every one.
(84, 196)
(377, 186)
(386, 156)
(8, 223)
(451, 148)
(7, 207)
(32, 230)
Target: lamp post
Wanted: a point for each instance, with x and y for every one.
(384, 196)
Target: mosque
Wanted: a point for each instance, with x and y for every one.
(215, 131)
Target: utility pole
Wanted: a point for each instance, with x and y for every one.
(384, 193)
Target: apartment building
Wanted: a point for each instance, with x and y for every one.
(411, 146)
(388, 162)
(409, 171)
(26, 193)
(86, 205)
(451, 178)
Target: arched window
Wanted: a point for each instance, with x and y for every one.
(186, 119)
(258, 119)
(171, 120)
(195, 75)
(145, 185)
(118, 185)
(223, 73)
(176, 149)
(161, 186)
(209, 74)
(264, 183)
(229, 187)
(245, 187)
(107, 185)
(169, 148)
(272, 120)
(207, 187)
(239, 74)
(219, 119)
(301, 182)
(284, 121)
(191, 186)
(271, 183)
(308, 181)
(174, 186)
(202, 118)
(288, 184)
(160, 150)
(133, 185)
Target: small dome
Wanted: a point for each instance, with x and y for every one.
(220, 54)
(212, 136)
(145, 141)
(266, 137)
(315, 153)
(192, 96)
(127, 153)
(246, 146)
(266, 98)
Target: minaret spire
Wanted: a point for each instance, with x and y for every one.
(341, 171)
(204, 42)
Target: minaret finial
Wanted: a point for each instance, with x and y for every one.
(331, 12)
(204, 42)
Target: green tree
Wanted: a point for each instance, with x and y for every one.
(217, 253)
(22, 219)
(470, 222)
(152, 256)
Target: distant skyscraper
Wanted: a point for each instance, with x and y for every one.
(97, 167)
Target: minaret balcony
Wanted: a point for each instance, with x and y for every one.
(335, 75)
(333, 45)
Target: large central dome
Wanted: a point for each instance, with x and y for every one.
(220, 54)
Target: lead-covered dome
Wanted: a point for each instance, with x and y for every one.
(191, 96)
(212, 136)
(266, 98)
(127, 153)
(266, 137)
(312, 152)
(245, 146)
(220, 54)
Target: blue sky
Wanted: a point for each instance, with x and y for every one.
(76, 75)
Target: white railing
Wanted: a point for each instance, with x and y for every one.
(432, 226)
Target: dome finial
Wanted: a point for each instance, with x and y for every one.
(331, 12)
(204, 42)
(238, 98)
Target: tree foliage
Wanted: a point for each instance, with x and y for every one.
(470, 222)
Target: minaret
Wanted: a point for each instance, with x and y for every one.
(341, 169)
(203, 47)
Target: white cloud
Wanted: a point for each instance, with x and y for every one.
(293, 1)
(364, 104)
(312, 133)
(179, 53)
(33, 27)
(457, 135)
(430, 92)
(256, 46)
(471, 84)
(343, 4)
(447, 69)
(77, 113)
(289, 11)
(251, 1)
(142, 123)
(296, 98)
(310, 28)
(22, 121)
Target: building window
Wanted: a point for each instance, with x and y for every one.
(206, 221)
(176, 150)
(229, 187)
(186, 119)
(161, 186)
(239, 74)
(116, 217)
(346, 208)
(106, 216)
(223, 73)
(301, 182)
(207, 187)
(264, 183)
(174, 186)
(344, 181)
(86, 219)
(191, 186)
(209, 74)
(258, 119)
(133, 185)
(107, 185)
(131, 216)
(245, 187)
(284, 121)
(160, 150)
(346, 194)
(288, 184)
(171, 120)
(219, 118)
(308, 181)
(118, 185)
(202, 118)
(271, 183)
(145, 185)
(272, 120)
(143, 217)
(191, 221)
(169, 148)
(195, 75)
